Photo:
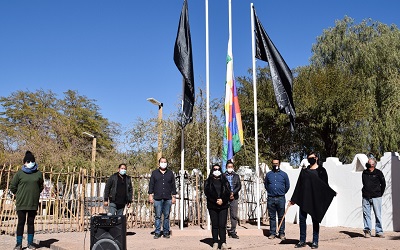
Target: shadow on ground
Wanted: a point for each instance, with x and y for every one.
(208, 241)
(47, 243)
(352, 234)
(289, 242)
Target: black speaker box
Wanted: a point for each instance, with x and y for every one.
(108, 232)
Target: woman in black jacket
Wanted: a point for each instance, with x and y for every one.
(218, 191)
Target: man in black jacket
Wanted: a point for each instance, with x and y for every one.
(162, 191)
(234, 182)
(373, 188)
(118, 191)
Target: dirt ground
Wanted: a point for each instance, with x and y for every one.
(199, 238)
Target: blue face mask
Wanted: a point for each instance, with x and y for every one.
(30, 165)
(122, 171)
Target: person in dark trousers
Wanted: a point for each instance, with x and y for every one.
(118, 191)
(234, 181)
(162, 191)
(374, 185)
(277, 185)
(218, 193)
(314, 196)
(26, 185)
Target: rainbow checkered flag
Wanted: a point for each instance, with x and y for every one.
(233, 131)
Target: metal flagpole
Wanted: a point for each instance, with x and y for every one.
(208, 104)
(182, 174)
(255, 113)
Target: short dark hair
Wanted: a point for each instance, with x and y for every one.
(122, 164)
(162, 157)
(276, 158)
(229, 162)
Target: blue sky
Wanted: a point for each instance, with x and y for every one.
(121, 52)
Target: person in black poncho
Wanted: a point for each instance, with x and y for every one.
(218, 191)
(313, 195)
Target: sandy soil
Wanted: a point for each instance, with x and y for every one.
(199, 238)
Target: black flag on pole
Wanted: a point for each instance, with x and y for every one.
(281, 75)
(184, 61)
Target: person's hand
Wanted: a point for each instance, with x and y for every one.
(105, 203)
(173, 200)
(291, 203)
(219, 202)
(231, 197)
(151, 198)
(128, 205)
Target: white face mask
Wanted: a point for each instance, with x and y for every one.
(230, 170)
(217, 173)
(163, 165)
(30, 165)
(122, 171)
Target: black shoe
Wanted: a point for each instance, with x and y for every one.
(156, 236)
(18, 247)
(166, 236)
(234, 236)
(314, 245)
(300, 244)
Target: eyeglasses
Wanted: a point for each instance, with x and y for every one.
(215, 169)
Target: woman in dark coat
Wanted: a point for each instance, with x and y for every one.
(218, 191)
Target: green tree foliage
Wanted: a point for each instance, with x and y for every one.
(52, 128)
(143, 139)
(347, 99)
(274, 136)
(370, 53)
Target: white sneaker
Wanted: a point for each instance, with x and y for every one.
(31, 247)
(224, 246)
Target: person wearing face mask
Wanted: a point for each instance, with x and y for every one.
(277, 185)
(313, 195)
(26, 185)
(118, 191)
(218, 193)
(162, 191)
(234, 182)
(374, 185)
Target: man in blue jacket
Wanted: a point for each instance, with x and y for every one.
(235, 184)
(277, 184)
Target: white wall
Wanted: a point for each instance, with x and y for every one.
(345, 209)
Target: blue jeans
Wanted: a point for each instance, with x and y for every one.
(162, 207)
(376, 204)
(115, 209)
(276, 205)
(303, 228)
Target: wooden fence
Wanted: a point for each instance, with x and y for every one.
(66, 203)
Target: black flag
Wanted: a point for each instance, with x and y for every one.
(282, 78)
(184, 61)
